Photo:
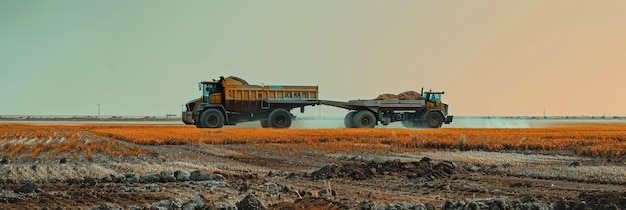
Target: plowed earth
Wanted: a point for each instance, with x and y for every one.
(312, 180)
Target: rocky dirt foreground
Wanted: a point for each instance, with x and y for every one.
(203, 176)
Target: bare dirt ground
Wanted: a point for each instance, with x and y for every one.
(205, 176)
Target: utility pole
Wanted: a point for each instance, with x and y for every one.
(98, 110)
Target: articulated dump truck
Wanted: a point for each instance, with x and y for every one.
(231, 100)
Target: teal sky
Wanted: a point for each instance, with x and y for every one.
(140, 58)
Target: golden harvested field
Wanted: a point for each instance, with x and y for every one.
(565, 166)
(606, 140)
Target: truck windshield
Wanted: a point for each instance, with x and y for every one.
(207, 90)
(434, 97)
(210, 89)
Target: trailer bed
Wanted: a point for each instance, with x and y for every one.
(382, 105)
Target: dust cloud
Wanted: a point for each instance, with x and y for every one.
(459, 122)
(488, 122)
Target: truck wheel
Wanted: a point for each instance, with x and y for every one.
(280, 118)
(265, 123)
(364, 119)
(407, 120)
(407, 123)
(211, 118)
(347, 121)
(434, 120)
(418, 124)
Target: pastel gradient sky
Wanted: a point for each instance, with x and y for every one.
(145, 57)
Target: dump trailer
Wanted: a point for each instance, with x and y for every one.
(231, 100)
(427, 112)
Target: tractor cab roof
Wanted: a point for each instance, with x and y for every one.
(210, 82)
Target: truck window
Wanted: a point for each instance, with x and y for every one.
(435, 97)
(211, 88)
(208, 90)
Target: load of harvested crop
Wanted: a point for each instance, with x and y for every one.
(387, 96)
(406, 95)
(244, 82)
(409, 95)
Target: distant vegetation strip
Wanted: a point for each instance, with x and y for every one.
(607, 140)
(32, 140)
(169, 117)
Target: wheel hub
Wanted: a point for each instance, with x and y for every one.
(365, 121)
(280, 120)
(432, 121)
(212, 120)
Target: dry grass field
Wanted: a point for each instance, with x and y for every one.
(594, 140)
(359, 167)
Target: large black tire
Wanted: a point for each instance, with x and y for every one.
(347, 121)
(265, 123)
(434, 120)
(418, 124)
(407, 123)
(364, 119)
(211, 118)
(280, 118)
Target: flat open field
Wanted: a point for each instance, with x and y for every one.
(561, 166)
